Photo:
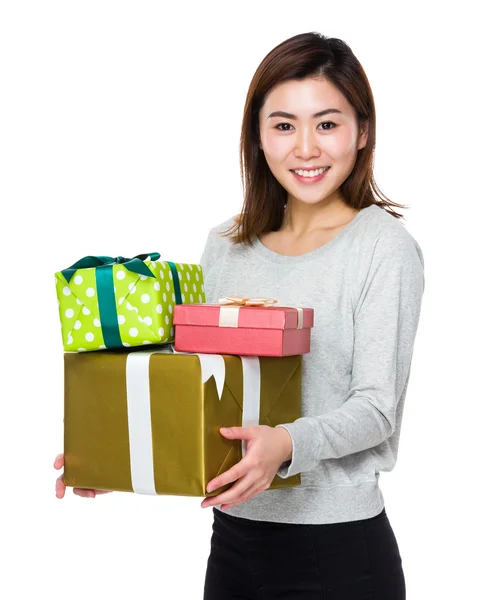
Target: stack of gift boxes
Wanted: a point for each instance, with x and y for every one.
(151, 373)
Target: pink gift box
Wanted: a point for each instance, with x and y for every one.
(243, 330)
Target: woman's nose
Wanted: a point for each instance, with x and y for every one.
(306, 144)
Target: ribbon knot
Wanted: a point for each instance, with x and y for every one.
(244, 301)
(135, 264)
(230, 305)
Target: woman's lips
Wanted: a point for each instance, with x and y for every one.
(310, 179)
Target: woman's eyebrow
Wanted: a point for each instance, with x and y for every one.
(286, 115)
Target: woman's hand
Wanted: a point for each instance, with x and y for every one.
(60, 484)
(267, 448)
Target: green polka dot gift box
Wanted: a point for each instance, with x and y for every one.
(107, 302)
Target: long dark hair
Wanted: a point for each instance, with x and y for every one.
(299, 57)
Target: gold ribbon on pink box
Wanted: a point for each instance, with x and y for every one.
(229, 311)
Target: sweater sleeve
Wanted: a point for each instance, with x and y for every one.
(385, 323)
(213, 249)
(209, 254)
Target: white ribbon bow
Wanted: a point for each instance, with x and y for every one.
(243, 301)
(230, 305)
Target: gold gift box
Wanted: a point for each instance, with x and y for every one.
(184, 415)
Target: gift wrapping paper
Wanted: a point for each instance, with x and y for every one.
(148, 421)
(110, 306)
(243, 330)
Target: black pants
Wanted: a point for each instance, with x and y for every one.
(261, 560)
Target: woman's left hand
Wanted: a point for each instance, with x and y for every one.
(266, 449)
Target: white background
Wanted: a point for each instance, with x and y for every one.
(120, 126)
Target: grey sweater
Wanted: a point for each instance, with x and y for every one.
(366, 287)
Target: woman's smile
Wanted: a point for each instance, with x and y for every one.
(308, 179)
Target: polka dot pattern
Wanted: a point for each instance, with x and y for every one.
(147, 318)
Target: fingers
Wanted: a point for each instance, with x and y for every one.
(59, 461)
(239, 489)
(85, 493)
(60, 487)
(248, 494)
(234, 473)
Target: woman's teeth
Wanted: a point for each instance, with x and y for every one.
(314, 173)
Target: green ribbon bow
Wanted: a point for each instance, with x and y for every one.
(136, 264)
(105, 287)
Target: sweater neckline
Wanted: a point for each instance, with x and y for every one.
(261, 249)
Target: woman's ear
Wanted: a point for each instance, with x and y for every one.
(363, 137)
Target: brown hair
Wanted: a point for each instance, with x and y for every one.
(302, 56)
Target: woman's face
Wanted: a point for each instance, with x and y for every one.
(298, 137)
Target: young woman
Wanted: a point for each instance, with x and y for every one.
(314, 230)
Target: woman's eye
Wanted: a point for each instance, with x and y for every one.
(328, 123)
(280, 125)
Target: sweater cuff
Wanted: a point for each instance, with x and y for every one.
(303, 450)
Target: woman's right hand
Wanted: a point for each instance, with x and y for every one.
(60, 484)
